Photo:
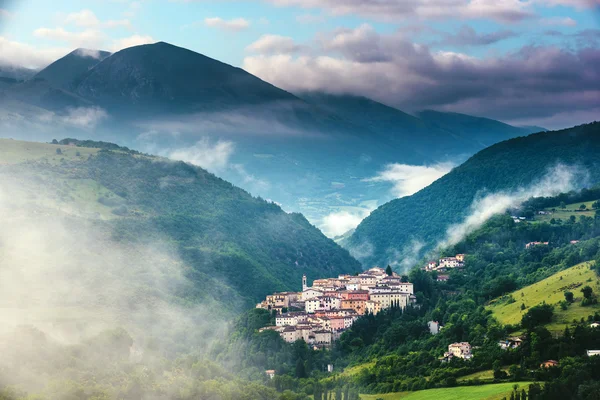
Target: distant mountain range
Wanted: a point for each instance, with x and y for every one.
(404, 229)
(312, 152)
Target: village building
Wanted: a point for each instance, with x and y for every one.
(289, 334)
(434, 327)
(549, 364)
(357, 305)
(459, 350)
(367, 280)
(449, 262)
(594, 325)
(329, 303)
(391, 299)
(323, 337)
(353, 286)
(337, 323)
(533, 244)
(372, 307)
(312, 305)
(354, 295)
(270, 373)
(311, 293)
(442, 278)
(510, 343)
(591, 353)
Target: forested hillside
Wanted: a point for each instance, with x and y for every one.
(395, 352)
(222, 232)
(512, 164)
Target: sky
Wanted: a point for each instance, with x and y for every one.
(529, 62)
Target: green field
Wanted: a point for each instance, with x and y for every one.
(572, 209)
(551, 290)
(71, 196)
(482, 392)
(487, 375)
(16, 151)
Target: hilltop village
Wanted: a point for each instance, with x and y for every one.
(320, 313)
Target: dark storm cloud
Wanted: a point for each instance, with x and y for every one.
(533, 81)
(467, 36)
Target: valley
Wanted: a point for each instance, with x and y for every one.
(299, 200)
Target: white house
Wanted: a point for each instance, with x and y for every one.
(311, 293)
(312, 305)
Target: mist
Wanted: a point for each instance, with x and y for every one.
(76, 301)
(557, 179)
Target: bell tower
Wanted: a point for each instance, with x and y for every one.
(304, 285)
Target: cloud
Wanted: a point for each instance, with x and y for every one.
(87, 38)
(397, 10)
(559, 179)
(533, 81)
(87, 19)
(339, 222)
(250, 182)
(24, 55)
(233, 25)
(558, 21)
(130, 41)
(83, 18)
(206, 154)
(467, 36)
(84, 117)
(409, 179)
(274, 44)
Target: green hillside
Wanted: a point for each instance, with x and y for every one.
(219, 230)
(483, 392)
(424, 216)
(564, 214)
(551, 291)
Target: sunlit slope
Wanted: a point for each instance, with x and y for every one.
(17, 151)
(550, 290)
(483, 392)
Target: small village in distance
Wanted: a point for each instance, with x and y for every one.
(320, 313)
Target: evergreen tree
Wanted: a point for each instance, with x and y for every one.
(389, 271)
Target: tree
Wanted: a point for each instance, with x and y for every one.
(389, 271)
(58, 151)
(404, 279)
(563, 205)
(587, 292)
(596, 205)
(537, 315)
(300, 370)
(582, 207)
(523, 306)
(569, 296)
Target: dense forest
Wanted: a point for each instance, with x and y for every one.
(508, 165)
(394, 351)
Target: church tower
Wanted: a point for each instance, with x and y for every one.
(304, 285)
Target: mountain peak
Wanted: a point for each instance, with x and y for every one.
(162, 76)
(89, 53)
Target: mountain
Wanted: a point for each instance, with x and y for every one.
(172, 78)
(64, 72)
(483, 131)
(425, 136)
(407, 226)
(313, 153)
(16, 73)
(236, 246)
